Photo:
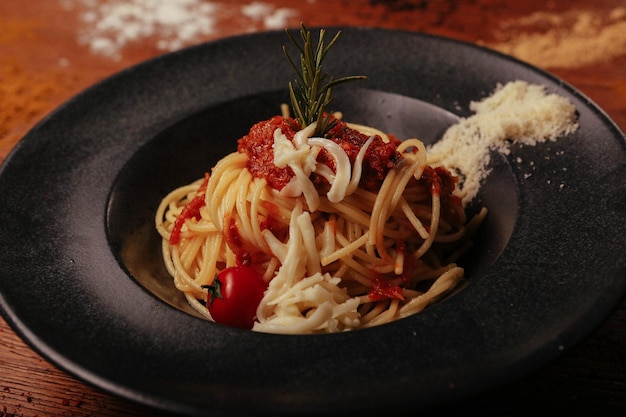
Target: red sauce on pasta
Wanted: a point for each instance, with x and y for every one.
(440, 181)
(270, 221)
(258, 145)
(232, 235)
(245, 253)
(383, 289)
(379, 158)
(191, 211)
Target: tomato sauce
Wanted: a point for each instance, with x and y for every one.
(379, 158)
(246, 253)
(271, 222)
(258, 144)
(440, 181)
(383, 289)
(231, 234)
(190, 211)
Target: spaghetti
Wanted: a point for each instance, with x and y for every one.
(350, 230)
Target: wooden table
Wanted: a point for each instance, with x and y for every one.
(52, 49)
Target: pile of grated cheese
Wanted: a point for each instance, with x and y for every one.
(516, 112)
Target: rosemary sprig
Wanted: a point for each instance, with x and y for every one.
(311, 92)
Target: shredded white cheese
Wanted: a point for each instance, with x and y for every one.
(301, 157)
(341, 179)
(303, 305)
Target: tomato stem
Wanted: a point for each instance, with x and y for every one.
(215, 290)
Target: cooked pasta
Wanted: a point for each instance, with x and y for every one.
(348, 231)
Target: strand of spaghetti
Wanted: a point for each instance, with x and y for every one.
(169, 203)
(372, 261)
(167, 257)
(280, 207)
(385, 316)
(431, 273)
(357, 168)
(398, 267)
(444, 283)
(413, 219)
(195, 258)
(210, 253)
(423, 210)
(344, 251)
(396, 191)
(278, 249)
(201, 226)
(230, 258)
(414, 170)
(182, 280)
(349, 211)
(385, 268)
(417, 169)
(434, 223)
(271, 268)
(384, 206)
(173, 211)
(357, 271)
(375, 309)
(454, 256)
(198, 306)
(450, 237)
(189, 249)
(432, 259)
(353, 230)
(255, 202)
(377, 210)
(420, 148)
(416, 194)
(342, 271)
(242, 187)
(219, 184)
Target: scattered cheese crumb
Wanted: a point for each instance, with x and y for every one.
(111, 25)
(272, 18)
(516, 112)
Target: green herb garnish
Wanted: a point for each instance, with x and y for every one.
(311, 93)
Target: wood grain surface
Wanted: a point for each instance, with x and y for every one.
(51, 50)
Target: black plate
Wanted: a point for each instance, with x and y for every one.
(81, 277)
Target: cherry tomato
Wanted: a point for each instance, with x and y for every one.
(235, 295)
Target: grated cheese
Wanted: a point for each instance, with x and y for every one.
(517, 112)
